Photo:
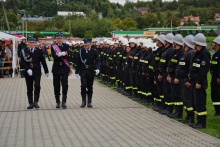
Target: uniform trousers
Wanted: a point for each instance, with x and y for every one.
(33, 82)
(215, 94)
(87, 85)
(58, 80)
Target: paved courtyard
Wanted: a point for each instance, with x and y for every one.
(114, 120)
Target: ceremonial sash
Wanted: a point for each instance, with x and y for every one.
(57, 50)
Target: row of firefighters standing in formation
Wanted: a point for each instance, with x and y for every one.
(170, 73)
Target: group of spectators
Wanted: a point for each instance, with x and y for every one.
(6, 54)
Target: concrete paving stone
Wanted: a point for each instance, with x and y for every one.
(115, 120)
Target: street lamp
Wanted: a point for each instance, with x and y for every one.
(171, 25)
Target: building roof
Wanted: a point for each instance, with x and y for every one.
(66, 13)
(184, 28)
(217, 15)
(191, 18)
(142, 9)
(36, 18)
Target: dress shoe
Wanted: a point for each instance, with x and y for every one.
(64, 105)
(58, 105)
(89, 105)
(83, 104)
(36, 105)
(1, 76)
(31, 106)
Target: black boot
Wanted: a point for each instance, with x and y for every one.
(57, 101)
(191, 119)
(58, 105)
(83, 101)
(170, 110)
(201, 122)
(36, 105)
(187, 118)
(30, 100)
(89, 104)
(178, 112)
(64, 102)
(156, 106)
(36, 98)
(31, 106)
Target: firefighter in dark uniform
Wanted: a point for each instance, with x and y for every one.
(126, 66)
(215, 71)
(61, 69)
(129, 65)
(167, 104)
(175, 85)
(152, 90)
(198, 79)
(110, 64)
(22, 45)
(119, 59)
(31, 59)
(136, 73)
(141, 68)
(148, 79)
(160, 41)
(182, 71)
(88, 66)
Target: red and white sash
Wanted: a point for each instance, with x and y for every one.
(57, 50)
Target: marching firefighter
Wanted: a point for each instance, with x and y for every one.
(198, 79)
(88, 66)
(31, 58)
(61, 69)
(215, 72)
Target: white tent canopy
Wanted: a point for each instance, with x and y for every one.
(4, 36)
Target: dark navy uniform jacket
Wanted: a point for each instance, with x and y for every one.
(59, 67)
(88, 62)
(200, 67)
(32, 59)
